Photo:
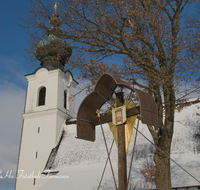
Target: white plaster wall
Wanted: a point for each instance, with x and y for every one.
(55, 82)
(35, 83)
(49, 117)
(33, 142)
(60, 122)
(71, 91)
(66, 83)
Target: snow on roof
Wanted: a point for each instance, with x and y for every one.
(77, 151)
(83, 161)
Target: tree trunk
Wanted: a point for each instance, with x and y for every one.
(162, 174)
(163, 139)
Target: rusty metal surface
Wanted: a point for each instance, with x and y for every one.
(106, 86)
(148, 108)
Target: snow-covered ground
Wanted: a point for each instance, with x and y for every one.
(80, 163)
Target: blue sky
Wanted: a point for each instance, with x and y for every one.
(13, 67)
(13, 43)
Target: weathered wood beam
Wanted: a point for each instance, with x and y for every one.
(122, 163)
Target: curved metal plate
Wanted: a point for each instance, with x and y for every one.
(106, 86)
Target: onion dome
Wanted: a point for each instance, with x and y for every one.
(53, 52)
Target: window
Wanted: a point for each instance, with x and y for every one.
(36, 155)
(65, 99)
(42, 95)
(38, 129)
(34, 181)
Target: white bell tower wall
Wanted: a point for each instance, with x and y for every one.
(48, 104)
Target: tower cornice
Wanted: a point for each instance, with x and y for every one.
(49, 112)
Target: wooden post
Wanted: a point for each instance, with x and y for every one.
(122, 166)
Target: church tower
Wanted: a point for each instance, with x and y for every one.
(47, 106)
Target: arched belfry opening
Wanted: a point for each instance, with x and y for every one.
(41, 96)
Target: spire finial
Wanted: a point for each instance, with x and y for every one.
(56, 6)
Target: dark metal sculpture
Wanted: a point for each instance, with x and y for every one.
(102, 93)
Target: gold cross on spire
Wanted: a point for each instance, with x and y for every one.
(56, 6)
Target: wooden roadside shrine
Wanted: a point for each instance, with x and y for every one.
(87, 116)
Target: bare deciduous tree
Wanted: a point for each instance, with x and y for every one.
(158, 46)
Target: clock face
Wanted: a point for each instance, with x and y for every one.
(42, 75)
